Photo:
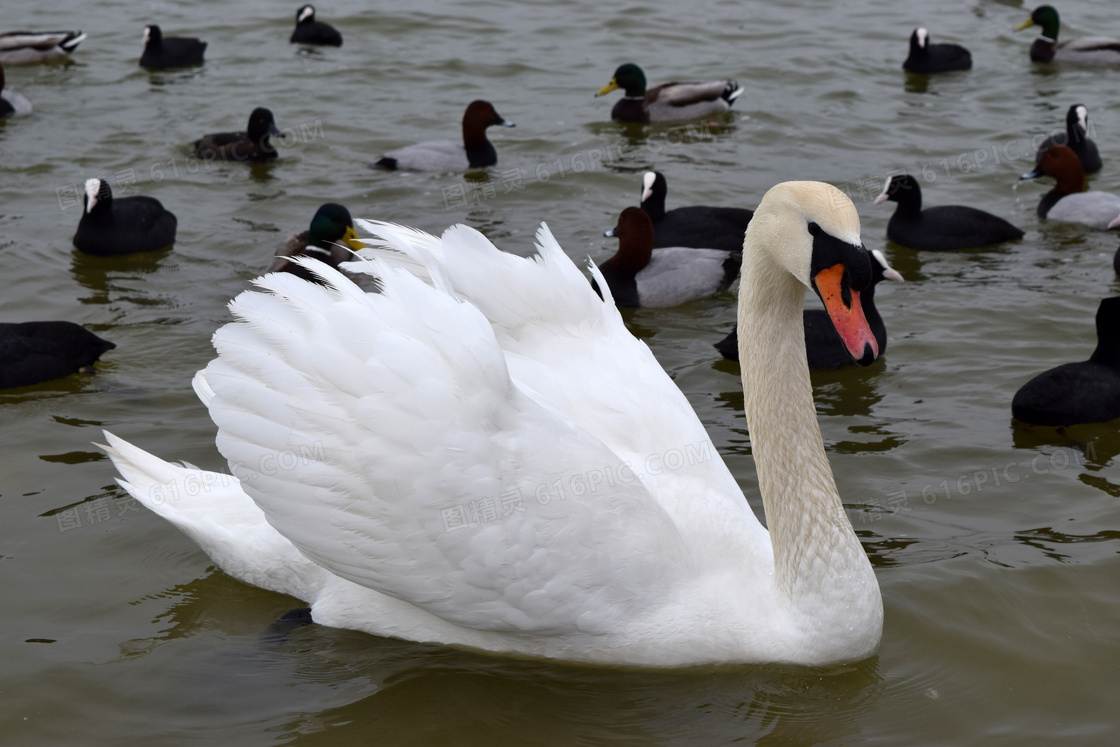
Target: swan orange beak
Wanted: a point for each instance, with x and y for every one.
(844, 309)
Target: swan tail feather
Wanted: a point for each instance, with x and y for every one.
(213, 510)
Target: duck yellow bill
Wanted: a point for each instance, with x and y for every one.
(1025, 25)
(849, 321)
(350, 238)
(608, 88)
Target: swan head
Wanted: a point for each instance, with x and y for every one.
(811, 230)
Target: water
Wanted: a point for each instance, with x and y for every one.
(995, 545)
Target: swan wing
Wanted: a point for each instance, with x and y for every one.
(570, 350)
(383, 435)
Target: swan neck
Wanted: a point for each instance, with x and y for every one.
(804, 514)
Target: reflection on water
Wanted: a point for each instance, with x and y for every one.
(105, 277)
(849, 391)
(321, 685)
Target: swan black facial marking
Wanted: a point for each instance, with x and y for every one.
(829, 251)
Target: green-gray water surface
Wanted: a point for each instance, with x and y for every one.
(995, 545)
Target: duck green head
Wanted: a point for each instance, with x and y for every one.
(332, 224)
(1046, 17)
(628, 77)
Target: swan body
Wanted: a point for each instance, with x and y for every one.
(526, 517)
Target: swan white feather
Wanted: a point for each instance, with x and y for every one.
(358, 424)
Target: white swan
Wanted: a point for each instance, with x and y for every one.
(483, 456)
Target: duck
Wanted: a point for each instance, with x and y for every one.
(1076, 393)
(935, 58)
(110, 227)
(696, 225)
(310, 31)
(252, 144)
(1068, 200)
(668, 102)
(476, 152)
(939, 228)
(396, 506)
(331, 231)
(823, 346)
(12, 103)
(171, 51)
(35, 352)
(641, 276)
(1077, 139)
(1047, 48)
(28, 47)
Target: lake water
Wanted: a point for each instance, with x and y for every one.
(996, 545)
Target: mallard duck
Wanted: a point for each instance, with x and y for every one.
(667, 102)
(26, 47)
(1047, 48)
(431, 462)
(331, 228)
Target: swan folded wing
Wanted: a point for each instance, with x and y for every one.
(383, 436)
(570, 350)
(684, 94)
